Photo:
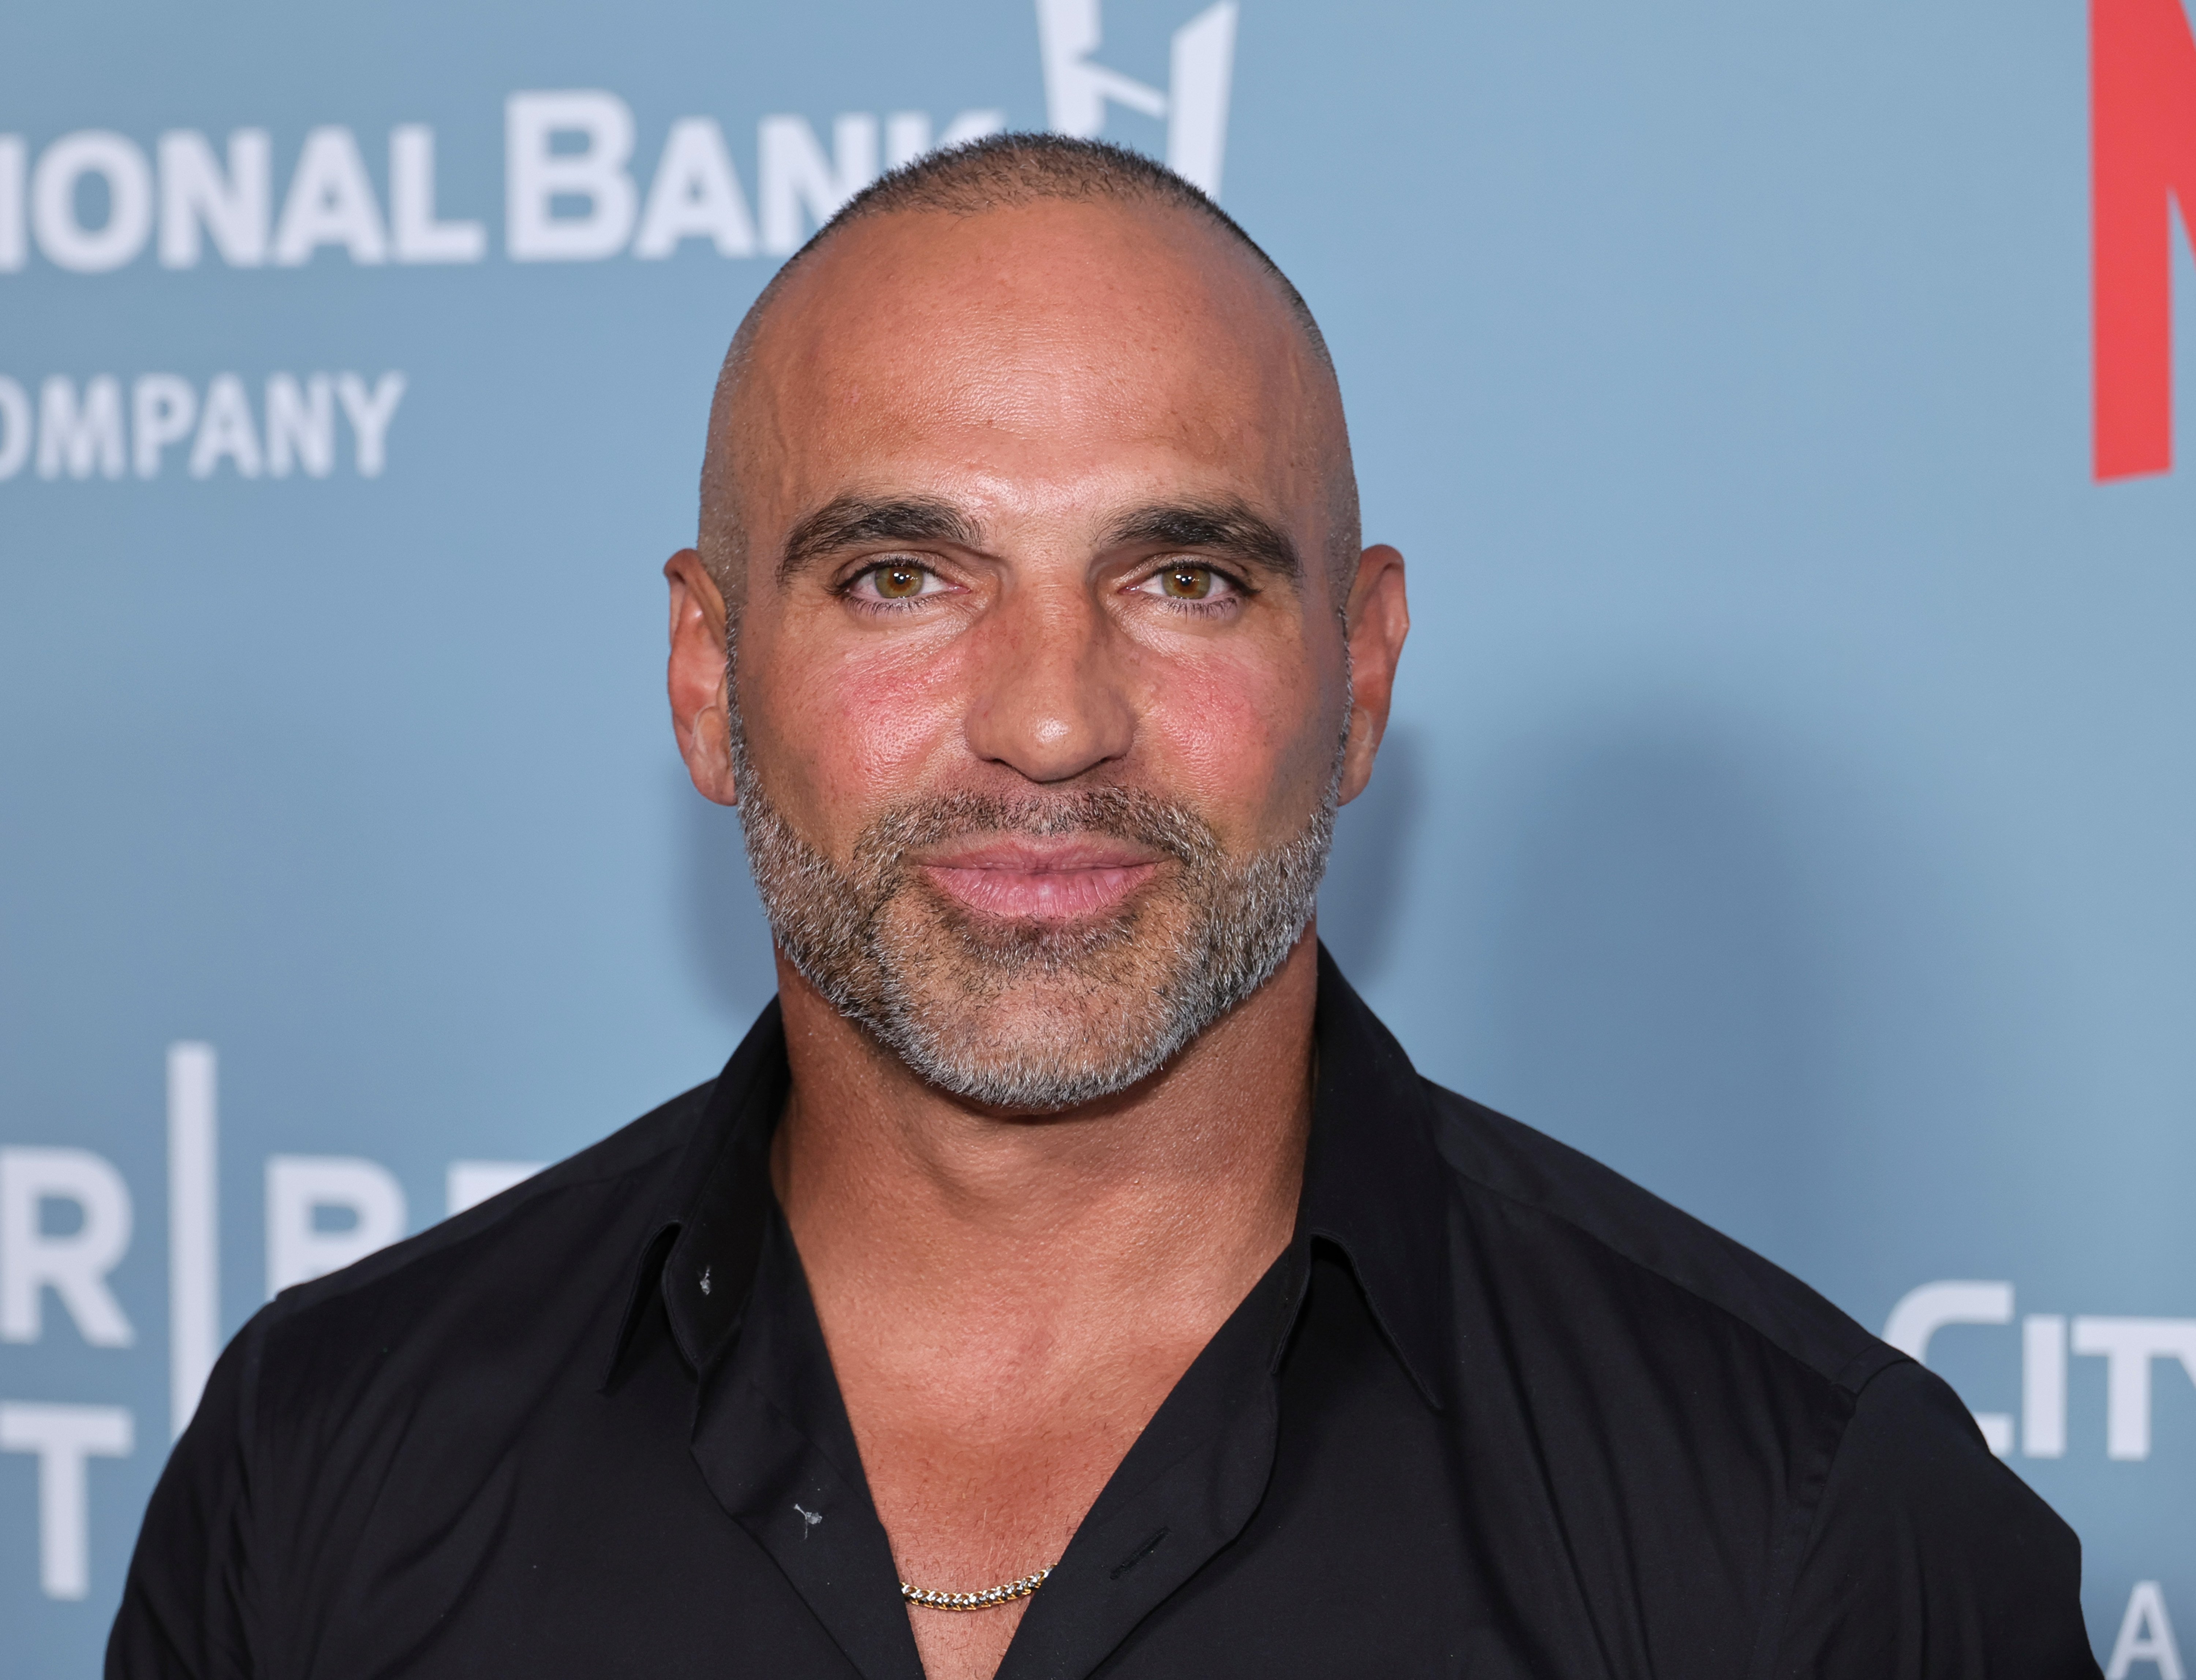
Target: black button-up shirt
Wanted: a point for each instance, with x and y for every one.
(1495, 1413)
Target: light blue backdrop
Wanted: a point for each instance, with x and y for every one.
(1789, 800)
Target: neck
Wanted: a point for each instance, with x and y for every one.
(1176, 1193)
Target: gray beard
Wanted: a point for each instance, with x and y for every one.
(1020, 1015)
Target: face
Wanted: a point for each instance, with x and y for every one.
(1041, 703)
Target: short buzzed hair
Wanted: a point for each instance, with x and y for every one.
(998, 172)
(1003, 170)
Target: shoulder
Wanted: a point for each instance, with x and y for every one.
(1546, 1193)
(514, 1280)
(576, 1203)
(1720, 1393)
(1925, 1554)
(415, 1367)
(636, 1158)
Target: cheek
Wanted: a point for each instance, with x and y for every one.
(1249, 739)
(840, 732)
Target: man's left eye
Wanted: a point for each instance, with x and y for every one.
(1187, 581)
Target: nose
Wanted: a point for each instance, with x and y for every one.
(1051, 698)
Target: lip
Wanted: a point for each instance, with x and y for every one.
(1023, 879)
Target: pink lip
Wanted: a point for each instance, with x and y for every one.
(1025, 879)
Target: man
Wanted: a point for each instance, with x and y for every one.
(1068, 1276)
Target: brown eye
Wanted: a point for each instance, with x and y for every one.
(899, 582)
(1186, 583)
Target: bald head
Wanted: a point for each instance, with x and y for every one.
(1001, 256)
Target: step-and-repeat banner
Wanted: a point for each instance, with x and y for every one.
(1790, 799)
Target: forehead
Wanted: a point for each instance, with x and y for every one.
(1055, 342)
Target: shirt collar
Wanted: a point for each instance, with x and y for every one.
(1371, 1187)
(702, 1249)
(1374, 1183)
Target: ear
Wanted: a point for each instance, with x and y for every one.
(1377, 621)
(699, 715)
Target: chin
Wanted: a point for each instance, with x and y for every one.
(1035, 1056)
(1037, 1016)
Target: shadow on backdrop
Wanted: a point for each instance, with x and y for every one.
(1360, 903)
(1657, 981)
(727, 935)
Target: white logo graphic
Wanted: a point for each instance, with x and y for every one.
(2129, 1346)
(74, 1268)
(2146, 1636)
(1195, 103)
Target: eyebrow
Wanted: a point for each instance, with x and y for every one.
(849, 522)
(1226, 527)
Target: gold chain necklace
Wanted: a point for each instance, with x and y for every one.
(974, 1601)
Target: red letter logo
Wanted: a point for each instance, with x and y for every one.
(2143, 158)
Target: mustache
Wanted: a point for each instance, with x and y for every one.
(1130, 814)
